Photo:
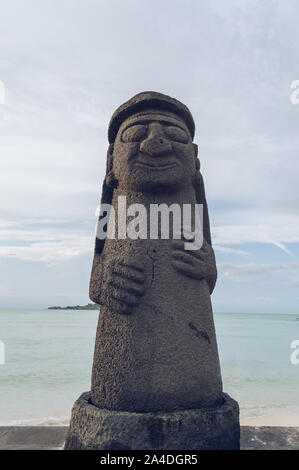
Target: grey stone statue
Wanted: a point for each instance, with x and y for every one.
(156, 349)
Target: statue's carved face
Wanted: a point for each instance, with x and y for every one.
(153, 149)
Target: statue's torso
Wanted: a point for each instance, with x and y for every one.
(163, 355)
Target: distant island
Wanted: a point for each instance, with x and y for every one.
(76, 307)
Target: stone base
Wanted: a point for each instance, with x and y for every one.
(92, 428)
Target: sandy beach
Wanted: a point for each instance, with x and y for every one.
(278, 419)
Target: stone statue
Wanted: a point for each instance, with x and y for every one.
(156, 349)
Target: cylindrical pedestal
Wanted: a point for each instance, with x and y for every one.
(92, 428)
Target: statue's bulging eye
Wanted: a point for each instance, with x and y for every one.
(176, 134)
(134, 133)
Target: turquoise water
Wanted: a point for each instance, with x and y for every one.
(49, 359)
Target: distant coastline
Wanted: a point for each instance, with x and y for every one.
(76, 307)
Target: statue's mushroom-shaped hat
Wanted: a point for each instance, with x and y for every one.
(149, 100)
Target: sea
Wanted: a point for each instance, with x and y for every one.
(48, 360)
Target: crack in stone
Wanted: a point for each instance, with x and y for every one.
(153, 267)
(200, 333)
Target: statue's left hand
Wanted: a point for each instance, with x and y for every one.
(197, 264)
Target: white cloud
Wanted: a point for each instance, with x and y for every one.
(44, 244)
(252, 271)
(46, 252)
(7, 223)
(240, 234)
(233, 251)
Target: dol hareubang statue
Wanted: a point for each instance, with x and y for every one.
(156, 354)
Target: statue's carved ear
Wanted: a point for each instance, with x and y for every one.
(195, 146)
(107, 192)
(110, 178)
(197, 162)
(201, 196)
(109, 162)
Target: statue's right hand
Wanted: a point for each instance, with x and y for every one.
(125, 284)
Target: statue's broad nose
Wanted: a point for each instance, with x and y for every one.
(155, 146)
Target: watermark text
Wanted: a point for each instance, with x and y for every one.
(294, 96)
(294, 358)
(158, 221)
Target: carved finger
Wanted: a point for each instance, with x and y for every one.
(188, 269)
(188, 257)
(124, 297)
(183, 256)
(126, 272)
(180, 245)
(134, 265)
(127, 285)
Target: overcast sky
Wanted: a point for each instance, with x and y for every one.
(67, 64)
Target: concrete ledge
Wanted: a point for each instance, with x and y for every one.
(53, 437)
(32, 437)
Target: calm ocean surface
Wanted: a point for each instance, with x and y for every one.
(49, 358)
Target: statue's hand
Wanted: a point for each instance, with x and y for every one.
(125, 284)
(197, 264)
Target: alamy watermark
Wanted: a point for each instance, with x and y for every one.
(294, 96)
(2, 353)
(136, 221)
(294, 358)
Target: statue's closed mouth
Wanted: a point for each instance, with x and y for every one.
(165, 166)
